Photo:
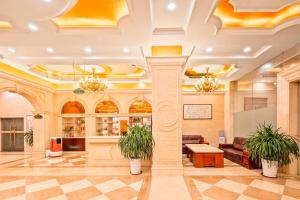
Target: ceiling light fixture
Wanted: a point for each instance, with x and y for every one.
(171, 6)
(207, 83)
(92, 83)
(47, 1)
(125, 50)
(209, 49)
(50, 50)
(87, 50)
(247, 49)
(33, 27)
(11, 50)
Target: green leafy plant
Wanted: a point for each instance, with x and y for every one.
(38, 116)
(138, 143)
(270, 144)
(28, 136)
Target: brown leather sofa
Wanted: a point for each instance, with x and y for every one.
(191, 139)
(237, 153)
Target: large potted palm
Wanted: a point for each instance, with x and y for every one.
(273, 148)
(136, 145)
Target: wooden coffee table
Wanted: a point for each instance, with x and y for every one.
(204, 155)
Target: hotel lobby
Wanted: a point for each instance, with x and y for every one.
(150, 99)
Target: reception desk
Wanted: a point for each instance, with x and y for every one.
(104, 151)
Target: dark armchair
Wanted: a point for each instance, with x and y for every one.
(191, 139)
(237, 153)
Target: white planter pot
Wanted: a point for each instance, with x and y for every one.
(269, 169)
(135, 166)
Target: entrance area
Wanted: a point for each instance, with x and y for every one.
(12, 134)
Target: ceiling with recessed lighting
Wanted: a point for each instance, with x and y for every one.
(51, 38)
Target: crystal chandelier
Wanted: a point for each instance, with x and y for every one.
(207, 83)
(93, 83)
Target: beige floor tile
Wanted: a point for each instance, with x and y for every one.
(243, 197)
(209, 179)
(20, 197)
(240, 179)
(110, 185)
(76, 185)
(268, 186)
(293, 183)
(67, 179)
(137, 185)
(44, 194)
(125, 193)
(84, 194)
(231, 186)
(12, 184)
(100, 197)
(261, 194)
(60, 197)
(292, 192)
(41, 186)
(216, 192)
(201, 186)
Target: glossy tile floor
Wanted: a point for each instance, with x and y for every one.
(72, 177)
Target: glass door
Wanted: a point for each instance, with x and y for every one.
(12, 134)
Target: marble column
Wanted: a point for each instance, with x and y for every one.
(167, 114)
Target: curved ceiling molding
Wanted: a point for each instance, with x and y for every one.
(68, 72)
(93, 14)
(260, 6)
(267, 20)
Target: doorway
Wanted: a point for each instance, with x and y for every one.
(12, 134)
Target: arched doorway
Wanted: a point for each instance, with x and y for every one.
(16, 116)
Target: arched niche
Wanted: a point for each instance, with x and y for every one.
(140, 106)
(106, 106)
(73, 107)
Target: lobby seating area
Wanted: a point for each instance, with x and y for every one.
(149, 99)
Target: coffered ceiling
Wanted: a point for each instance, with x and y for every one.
(49, 39)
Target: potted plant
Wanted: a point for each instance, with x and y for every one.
(273, 148)
(137, 144)
(28, 136)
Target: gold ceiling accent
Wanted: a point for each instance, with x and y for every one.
(222, 70)
(140, 106)
(107, 72)
(207, 83)
(167, 50)
(5, 24)
(232, 19)
(93, 14)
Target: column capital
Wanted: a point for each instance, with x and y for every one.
(166, 61)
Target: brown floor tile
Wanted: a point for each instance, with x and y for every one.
(261, 194)
(98, 179)
(10, 178)
(45, 194)
(216, 192)
(292, 192)
(12, 192)
(130, 179)
(125, 193)
(240, 179)
(209, 179)
(67, 179)
(35, 179)
(279, 180)
(83, 194)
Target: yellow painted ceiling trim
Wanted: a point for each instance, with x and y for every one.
(161, 51)
(93, 14)
(232, 19)
(29, 77)
(190, 72)
(5, 24)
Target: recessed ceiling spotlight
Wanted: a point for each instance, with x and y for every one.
(125, 50)
(33, 27)
(171, 6)
(247, 49)
(209, 49)
(87, 50)
(50, 50)
(47, 1)
(11, 50)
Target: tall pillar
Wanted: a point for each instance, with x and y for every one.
(167, 114)
(229, 111)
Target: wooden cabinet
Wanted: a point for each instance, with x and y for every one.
(73, 144)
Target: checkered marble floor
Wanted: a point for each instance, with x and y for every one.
(243, 188)
(68, 160)
(74, 187)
